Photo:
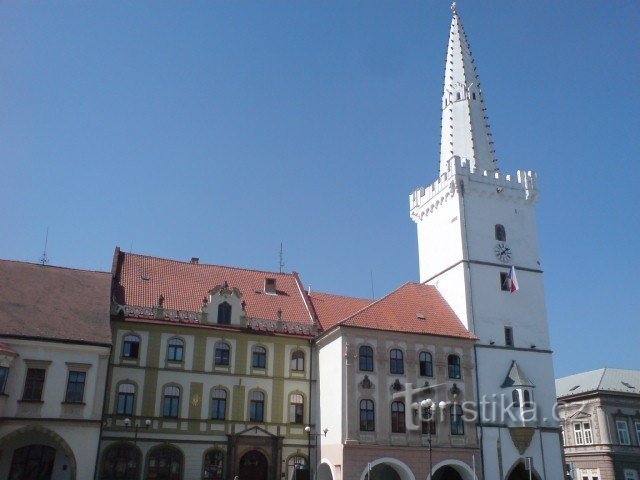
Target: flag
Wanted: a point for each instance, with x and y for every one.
(512, 280)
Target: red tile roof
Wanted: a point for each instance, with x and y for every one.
(56, 303)
(333, 308)
(399, 312)
(140, 280)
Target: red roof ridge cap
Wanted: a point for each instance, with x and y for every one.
(342, 296)
(303, 294)
(185, 262)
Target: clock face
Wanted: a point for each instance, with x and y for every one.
(503, 252)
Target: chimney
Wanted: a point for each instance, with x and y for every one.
(195, 260)
(270, 286)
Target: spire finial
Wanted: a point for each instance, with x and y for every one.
(454, 8)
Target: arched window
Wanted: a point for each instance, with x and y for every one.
(515, 398)
(457, 424)
(396, 361)
(218, 404)
(175, 350)
(32, 461)
(527, 399)
(501, 234)
(224, 313)
(398, 424)
(367, 416)
(120, 462)
(297, 361)
(454, 366)
(259, 357)
(214, 465)
(126, 399)
(296, 408)
(256, 407)
(131, 346)
(171, 402)
(426, 364)
(297, 468)
(164, 462)
(222, 354)
(365, 354)
(428, 421)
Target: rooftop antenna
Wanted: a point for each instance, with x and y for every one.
(373, 294)
(44, 259)
(281, 259)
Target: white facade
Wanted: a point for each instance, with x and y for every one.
(72, 429)
(460, 220)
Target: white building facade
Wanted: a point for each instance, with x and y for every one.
(476, 228)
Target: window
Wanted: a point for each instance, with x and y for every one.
(126, 397)
(630, 474)
(297, 468)
(367, 417)
(398, 424)
(131, 346)
(165, 463)
(4, 373)
(426, 364)
(501, 233)
(396, 361)
(33, 384)
(259, 357)
(222, 354)
(454, 366)
(638, 431)
(515, 398)
(457, 425)
(458, 96)
(32, 461)
(171, 402)
(505, 282)
(256, 408)
(120, 462)
(473, 95)
(297, 361)
(365, 355)
(296, 408)
(214, 465)
(224, 313)
(508, 336)
(175, 350)
(623, 432)
(527, 399)
(218, 404)
(586, 430)
(428, 422)
(75, 387)
(577, 430)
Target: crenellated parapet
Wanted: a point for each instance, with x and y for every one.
(461, 176)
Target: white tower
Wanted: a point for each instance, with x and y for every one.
(474, 224)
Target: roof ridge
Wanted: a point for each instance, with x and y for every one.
(53, 266)
(343, 296)
(207, 264)
(604, 372)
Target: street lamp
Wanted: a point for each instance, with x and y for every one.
(427, 413)
(136, 426)
(315, 435)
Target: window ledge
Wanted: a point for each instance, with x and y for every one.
(81, 404)
(22, 400)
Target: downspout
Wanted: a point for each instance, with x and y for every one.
(311, 344)
(471, 317)
(104, 412)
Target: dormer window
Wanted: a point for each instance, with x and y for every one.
(270, 286)
(224, 313)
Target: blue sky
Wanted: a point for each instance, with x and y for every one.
(220, 129)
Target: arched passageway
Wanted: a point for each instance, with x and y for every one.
(387, 468)
(254, 466)
(520, 472)
(120, 461)
(447, 473)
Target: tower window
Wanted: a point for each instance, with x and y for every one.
(508, 336)
(458, 96)
(473, 95)
(501, 233)
(504, 282)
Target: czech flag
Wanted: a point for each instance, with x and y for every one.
(512, 280)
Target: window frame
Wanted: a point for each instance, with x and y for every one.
(254, 404)
(296, 409)
(171, 402)
(213, 463)
(218, 404)
(31, 384)
(259, 357)
(173, 349)
(297, 361)
(457, 367)
(508, 336)
(367, 357)
(368, 421)
(625, 431)
(429, 363)
(83, 383)
(224, 354)
(4, 377)
(159, 466)
(224, 313)
(500, 232)
(396, 365)
(126, 396)
(456, 419)
(398, 419)
(427, 421)
(128, 342)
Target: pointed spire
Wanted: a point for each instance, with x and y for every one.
(465, 128)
